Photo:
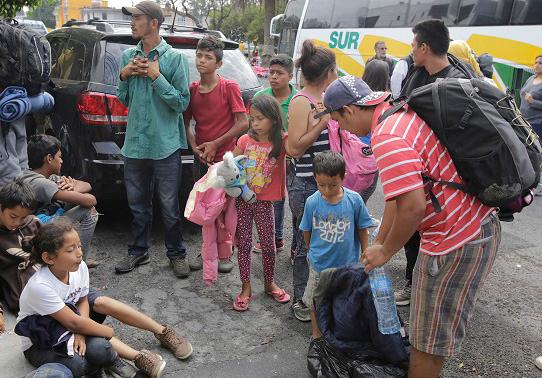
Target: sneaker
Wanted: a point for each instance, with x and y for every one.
(180, 267)
(402, 297)
(121, 369)
(151, 363)
(196, 264)
(180, 347)
(225, 266)
(538, 362)
(301, 312)
(279, 244)
(130, 262)
(257, 248)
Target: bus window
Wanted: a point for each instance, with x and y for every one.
(484, 12)
(387, 14)
(318, 14)
(425, 9)
(527, 12)
(290, 24)
(332, 14)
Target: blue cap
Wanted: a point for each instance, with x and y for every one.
(350, 90)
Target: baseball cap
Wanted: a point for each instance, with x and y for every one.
(348, 90)
(150, 8)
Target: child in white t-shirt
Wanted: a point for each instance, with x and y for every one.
(63, 282)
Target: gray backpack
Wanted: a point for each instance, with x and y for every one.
(25, 58)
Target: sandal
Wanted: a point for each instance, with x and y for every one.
(241, 303)
(279, 295)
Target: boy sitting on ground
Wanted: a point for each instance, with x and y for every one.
(16, 224)
(334, 224)
(59, 195)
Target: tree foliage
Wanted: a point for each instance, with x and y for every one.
(8, 8)
(45, 12)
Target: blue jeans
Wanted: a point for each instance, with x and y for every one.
(278, 208)
(537, 127)
(86, 218)
(142, 177)
(299, 189)
(99, 353)
(53, 370)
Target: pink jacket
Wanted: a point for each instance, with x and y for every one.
(215, 211)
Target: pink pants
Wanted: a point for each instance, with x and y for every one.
(260, 212)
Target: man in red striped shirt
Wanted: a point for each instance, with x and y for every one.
(458, 243)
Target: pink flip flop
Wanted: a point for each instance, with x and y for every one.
(279, 295)
(241, 303)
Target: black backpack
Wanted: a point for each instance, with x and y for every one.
(495, 150)
(25, 58)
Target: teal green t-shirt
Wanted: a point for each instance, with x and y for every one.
(283, 106)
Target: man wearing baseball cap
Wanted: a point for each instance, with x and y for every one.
(454, 262)
(154, 85)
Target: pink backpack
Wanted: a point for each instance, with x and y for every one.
(360, 162)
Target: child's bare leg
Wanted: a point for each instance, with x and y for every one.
(272, 286)
(126, 314)
(314, 326)
(246, 290)
(124, 351)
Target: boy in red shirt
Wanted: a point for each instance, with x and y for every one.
(218, 109)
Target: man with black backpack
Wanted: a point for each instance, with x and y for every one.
(431, 62)
(459, 236)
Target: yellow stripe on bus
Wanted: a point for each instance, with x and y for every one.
(505, 49)
(345, 62)
(395, 48)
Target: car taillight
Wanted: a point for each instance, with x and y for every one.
(102, 109)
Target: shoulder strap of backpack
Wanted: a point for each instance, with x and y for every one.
(394, 109)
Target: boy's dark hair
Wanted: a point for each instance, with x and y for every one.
(315, 62)
(270, 109)
(341, 110)
(17, 193)
(284, 61)
(377, 75)
(329, 163)
(214, 44)
(538, 56)
(379, 43)
(50, 238)
(39, 147)
(434, 34)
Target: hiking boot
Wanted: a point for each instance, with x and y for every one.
(301, 312)
(151, 363)
(402, 297)
(128, 263)
(225, 266)
(197, 263)
(279, 245)
(179, 346)
(91, 263)
(121, 369)
(180, 267)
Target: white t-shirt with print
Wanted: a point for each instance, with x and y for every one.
(44, 294)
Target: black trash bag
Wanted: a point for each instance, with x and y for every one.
(325, 361)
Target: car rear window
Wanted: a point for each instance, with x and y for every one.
(235, 66)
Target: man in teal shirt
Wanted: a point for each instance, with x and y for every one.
(281, 69)
(154, 86)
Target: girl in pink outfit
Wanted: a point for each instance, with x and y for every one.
(265, 145)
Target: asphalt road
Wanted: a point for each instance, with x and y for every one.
(504, 337)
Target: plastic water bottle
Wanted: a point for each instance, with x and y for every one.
(384, 300)
(383, 297)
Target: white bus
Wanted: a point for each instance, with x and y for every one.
(509, 30)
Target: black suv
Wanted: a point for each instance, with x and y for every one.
(88, 118)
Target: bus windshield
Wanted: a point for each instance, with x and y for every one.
(292, 17)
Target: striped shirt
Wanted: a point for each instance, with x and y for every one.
(405, 147)
(303, 165)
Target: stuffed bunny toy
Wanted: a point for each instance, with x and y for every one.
(231, 176)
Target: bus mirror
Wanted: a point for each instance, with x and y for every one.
(273, 25)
